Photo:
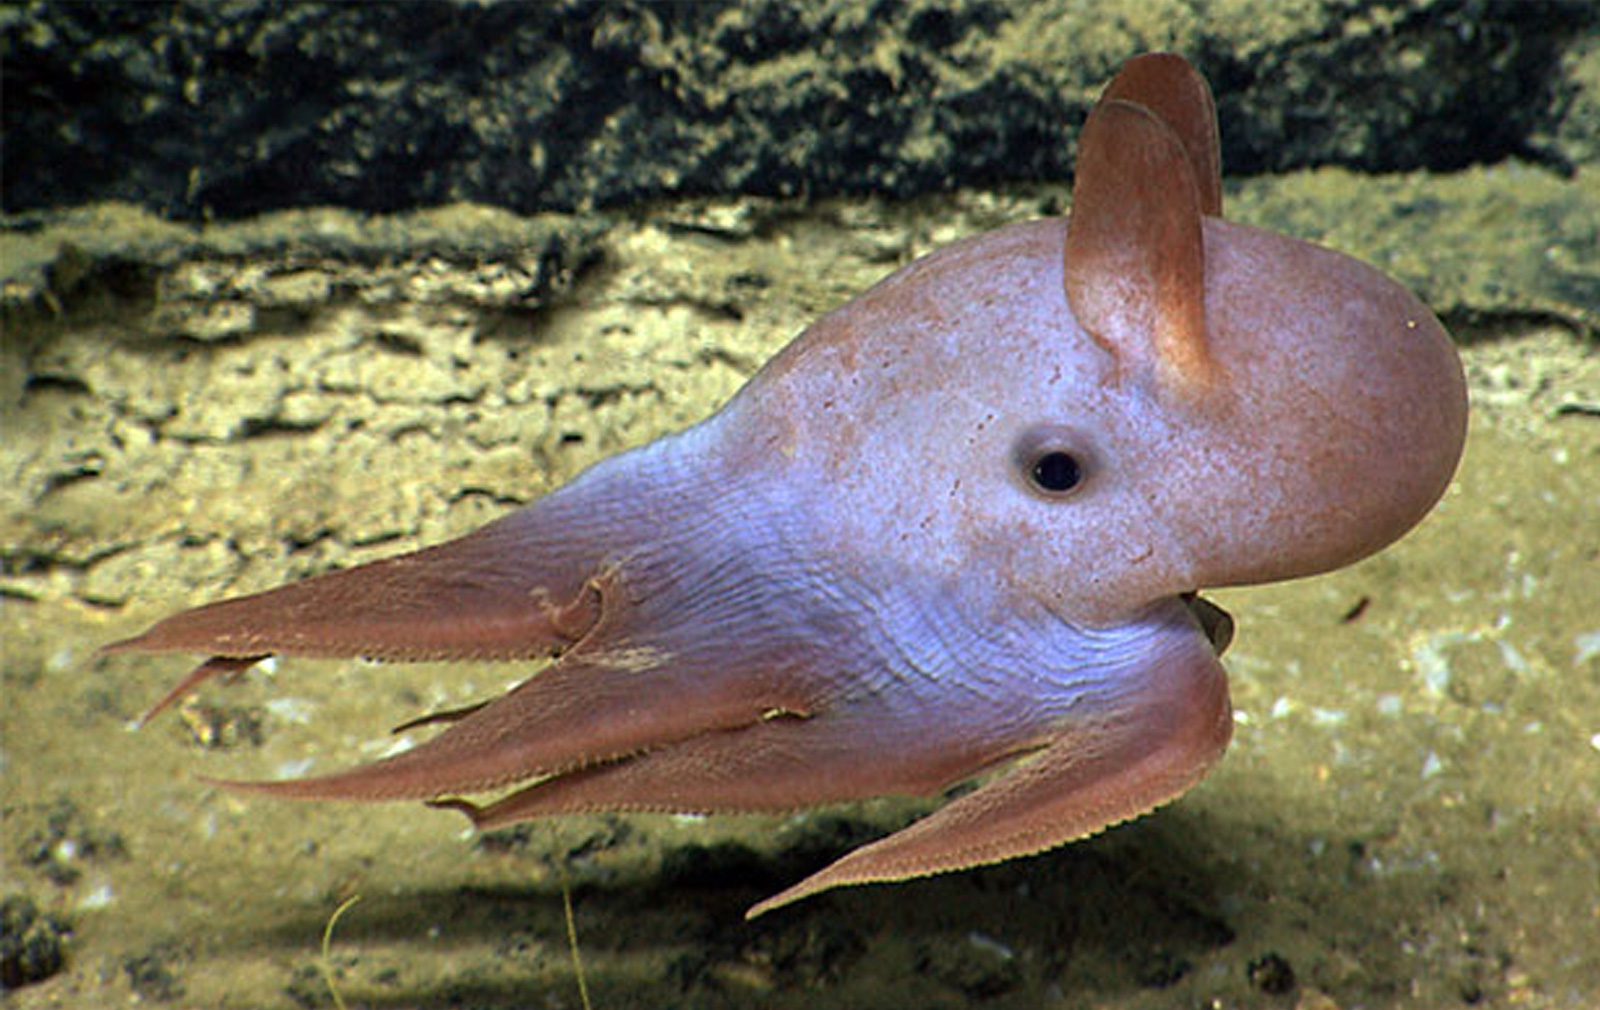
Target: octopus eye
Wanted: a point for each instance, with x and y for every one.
(1056, 472)
(1052, 461)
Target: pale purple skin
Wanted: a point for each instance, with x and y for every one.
(846, 584)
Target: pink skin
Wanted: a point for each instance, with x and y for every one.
(857, 578)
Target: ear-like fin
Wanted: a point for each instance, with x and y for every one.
(1091, 777)
(1135, 250)
(1168, 86)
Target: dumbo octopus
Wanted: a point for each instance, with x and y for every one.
(957, 525)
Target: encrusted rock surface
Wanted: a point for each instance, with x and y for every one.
(204, 109)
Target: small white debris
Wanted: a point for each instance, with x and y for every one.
(1513, 659)
(1587, 645)
(398, 745)
(1431, 766)
(1428, 656)
(295, 769)
(1390, 705)
(988, 944)
(1327, 717)
(295, 711)
(100, 897)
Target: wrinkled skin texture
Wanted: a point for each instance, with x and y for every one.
(958, 522)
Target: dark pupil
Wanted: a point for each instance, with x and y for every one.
(1057, 471)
